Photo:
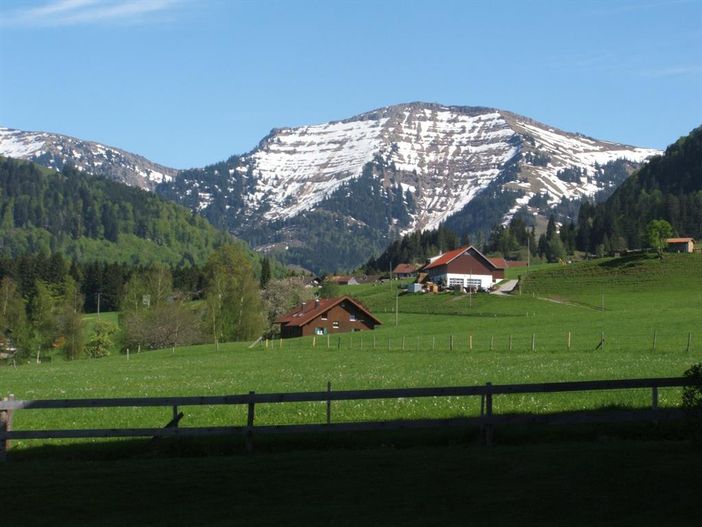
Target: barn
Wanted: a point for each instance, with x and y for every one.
(465, 267)
(326, 315)
(681, 245)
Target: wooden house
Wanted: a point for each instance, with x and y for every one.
(404, 270)
(681, 245)
(326, 316)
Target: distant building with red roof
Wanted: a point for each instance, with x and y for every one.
(405, 270)
(681, 245)
(326, 315)
(465, 267)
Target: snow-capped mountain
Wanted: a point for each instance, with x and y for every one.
(393, 170)
(56, 151)
(329, 195)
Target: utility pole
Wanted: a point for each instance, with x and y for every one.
(397, 305)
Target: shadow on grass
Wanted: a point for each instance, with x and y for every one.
(464, 437)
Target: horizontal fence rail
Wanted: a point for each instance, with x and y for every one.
(486, 420)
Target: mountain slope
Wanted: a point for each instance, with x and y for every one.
(56, 151)
(667, 187)
(329, 195)
(90, 218)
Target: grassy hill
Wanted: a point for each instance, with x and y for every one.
(412, 477)
(642, 295)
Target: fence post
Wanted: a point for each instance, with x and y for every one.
(451, 343)
(314, 341)
(250, 423)
(327, 340)
(328, 403)
(338, 343)
(569, 341)
(492, 341)
(403, 343)
(470, 342)
(5, 426)
(689, 341)
(655, 334)
(533, 342)
(487, 431)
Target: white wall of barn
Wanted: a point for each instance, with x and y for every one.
(464, 280)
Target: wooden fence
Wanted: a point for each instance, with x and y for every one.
(486, 420)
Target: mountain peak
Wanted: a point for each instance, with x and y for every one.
(378, 174)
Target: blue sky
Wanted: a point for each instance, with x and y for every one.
(191, 82)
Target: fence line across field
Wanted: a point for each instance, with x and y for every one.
(486, 420)
(489, 341)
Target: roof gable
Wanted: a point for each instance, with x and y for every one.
(305, 313)
(450, 256)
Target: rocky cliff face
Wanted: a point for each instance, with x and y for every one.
(56, 151)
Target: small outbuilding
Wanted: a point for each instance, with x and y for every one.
(326, 315)
(405, 270)
(681, 245)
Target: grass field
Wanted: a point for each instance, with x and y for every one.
(636, 475)
(641, 296)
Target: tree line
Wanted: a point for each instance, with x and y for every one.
(91, 218)
(43, 300)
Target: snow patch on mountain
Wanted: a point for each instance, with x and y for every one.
(56, 151)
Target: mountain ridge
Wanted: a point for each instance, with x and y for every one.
(418, 165)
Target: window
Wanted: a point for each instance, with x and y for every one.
(455, 281)
(352, 317)
(474, 283)
(320, 331)
(324, 316)
(335, 324)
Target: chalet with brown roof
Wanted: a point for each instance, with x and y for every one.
(405, 270)
(464, 267)
(326, 315)
(681, 245)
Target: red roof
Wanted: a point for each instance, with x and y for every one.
(679, 240)
(446, 257)
(500, 263)
(405, 268)
(452, 255)
(304, 313)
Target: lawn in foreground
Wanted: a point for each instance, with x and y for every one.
(643, 296)
(619, 483)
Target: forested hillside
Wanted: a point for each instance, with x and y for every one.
(668, 187)
(89, 218)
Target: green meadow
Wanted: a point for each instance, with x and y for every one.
(627, 300)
